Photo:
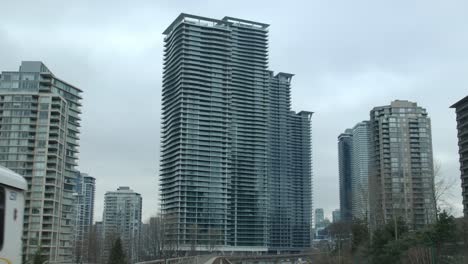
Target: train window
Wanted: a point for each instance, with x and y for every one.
(2, 215)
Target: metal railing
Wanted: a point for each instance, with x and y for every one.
(181, 260)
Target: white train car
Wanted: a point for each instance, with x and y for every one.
(12, 191)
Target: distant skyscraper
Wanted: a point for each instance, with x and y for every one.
(319, 218)
(345, 147)
(360, 171)
(401, 165)
(353, 146)
(84, 191)
(336, 216)
(122, 218)
(461, 108)
(221, 106)
(39, 116)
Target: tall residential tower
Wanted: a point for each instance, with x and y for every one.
(461, 108)
(401, 173)
(39, 121)
(289, 173)
(225, 117)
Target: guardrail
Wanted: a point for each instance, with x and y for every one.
(181, 260)
(220, 259)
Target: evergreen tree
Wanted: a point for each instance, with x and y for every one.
(445, 229)
(117, 256)
(38, 257)
(360, 234)
(389, 242)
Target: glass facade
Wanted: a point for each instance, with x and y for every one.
(280, 190)
(345, 146)
(353, 146)
(216, 133)
(299, 177)
(290, 170)
(360, 171)
(39, 120)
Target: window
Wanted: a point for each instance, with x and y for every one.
(28, 77)
(44, 99)
(43, 115)
(44, 106)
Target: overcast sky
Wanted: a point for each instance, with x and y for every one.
(347, 57)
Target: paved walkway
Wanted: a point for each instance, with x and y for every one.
(211, 260)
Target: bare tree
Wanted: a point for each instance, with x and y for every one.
(169, 236)
(442, 189)
(150, 239)
(94, 245)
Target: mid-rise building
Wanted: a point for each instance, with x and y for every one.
(225, 118)
(122, 218)
(345, 165)
(321, 224)
(39, 121)
(461, 109)
(84, 191)
(95, 244)
(98, 225)
(319, 218)
(401, 172)
(336, 216)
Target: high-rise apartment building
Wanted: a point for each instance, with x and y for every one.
(83, 192)
(122, 218)
(401, 166)
(289, 174)
(280, 189)
(299, 180)
(345, 147)
(218, 143)
(39, 120)
(461, 108)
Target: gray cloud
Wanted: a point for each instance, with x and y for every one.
(348, 56)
